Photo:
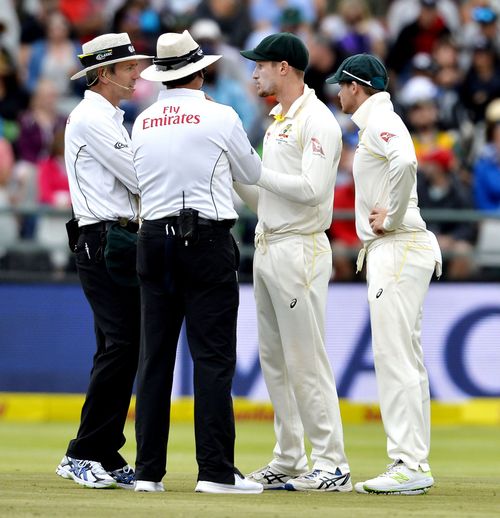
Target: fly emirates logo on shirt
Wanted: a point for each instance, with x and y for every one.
(169, 117)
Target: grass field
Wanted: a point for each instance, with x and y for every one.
(465, 464)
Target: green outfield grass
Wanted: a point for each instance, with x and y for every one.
(465, 463)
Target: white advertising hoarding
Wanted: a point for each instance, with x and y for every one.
(461, 340)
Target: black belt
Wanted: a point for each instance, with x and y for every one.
(173, 220)
(103, 226)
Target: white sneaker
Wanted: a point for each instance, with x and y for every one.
(87, 473)
(146, 486)
(320, 480)
(241, 485)
(399, 479)
(270, 477)
(358, 487)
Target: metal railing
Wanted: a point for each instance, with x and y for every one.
(487, 246)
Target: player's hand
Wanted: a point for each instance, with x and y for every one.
(376, 219)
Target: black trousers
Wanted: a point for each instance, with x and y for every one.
(116, 312)
(198, 283)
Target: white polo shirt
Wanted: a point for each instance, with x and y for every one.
(187, 151)
(99, 162)
(300, 157)
(384, 169)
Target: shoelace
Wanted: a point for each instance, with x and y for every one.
(125, 475)
(312, 474)
(392, 468)
(95, 466)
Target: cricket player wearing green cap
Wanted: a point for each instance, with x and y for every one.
(401, 256)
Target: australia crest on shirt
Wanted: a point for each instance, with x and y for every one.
(282, 134)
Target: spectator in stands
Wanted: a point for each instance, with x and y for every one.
(448, 77)
(324, 59)
(418, 97)
(8, 223)
(438, 187)
(208, 34)
(40, 122)
(232, 16)
(54, 58)
(38, 126)
(354, 29)
(140, 22)
(487, 166)
(480, 20)
(53, 192)
(13, 97)
(32, 24)
(86, 16)
(419, 36)
(482, 82)
(403, 12)
(53, 187)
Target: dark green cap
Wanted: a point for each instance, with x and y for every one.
(364, 69)
(283, 46)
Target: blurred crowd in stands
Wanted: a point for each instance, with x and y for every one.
(444, 63)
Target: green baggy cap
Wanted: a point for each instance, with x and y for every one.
(283, 46)
(365, 69)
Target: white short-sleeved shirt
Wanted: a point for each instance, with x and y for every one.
(187, 151)
(99, 162)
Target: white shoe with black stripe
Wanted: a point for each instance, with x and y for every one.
(321, 480)
(88, 473)
(270, 477)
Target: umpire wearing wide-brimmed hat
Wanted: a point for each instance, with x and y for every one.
(187, 150)
(103, 188)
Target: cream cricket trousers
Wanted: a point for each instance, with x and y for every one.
(291, 275)
(399, 269)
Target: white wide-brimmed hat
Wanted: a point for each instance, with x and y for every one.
(177, 56)
(106, 50)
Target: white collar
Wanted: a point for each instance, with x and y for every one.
(296, 105)
(361, 115)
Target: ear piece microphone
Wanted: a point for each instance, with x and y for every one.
(117, 84)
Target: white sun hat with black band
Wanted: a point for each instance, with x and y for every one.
(177, 56)
(106, 50)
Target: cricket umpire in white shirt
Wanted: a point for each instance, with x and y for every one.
(401, 256)
(187, 151)
(103, 188)
(291, 270)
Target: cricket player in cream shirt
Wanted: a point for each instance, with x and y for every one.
(401, 257)
(292, 268)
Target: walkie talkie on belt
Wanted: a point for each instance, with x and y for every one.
(187, 223)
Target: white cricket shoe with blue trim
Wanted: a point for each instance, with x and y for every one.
(87, 473)
(321, 480)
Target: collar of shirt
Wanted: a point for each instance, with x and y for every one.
(104, 105)
(180, 92)
(276, 111)
(378, 100)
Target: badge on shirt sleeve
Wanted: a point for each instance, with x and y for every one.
(387, 136)
(317, 148)
(120, 145)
